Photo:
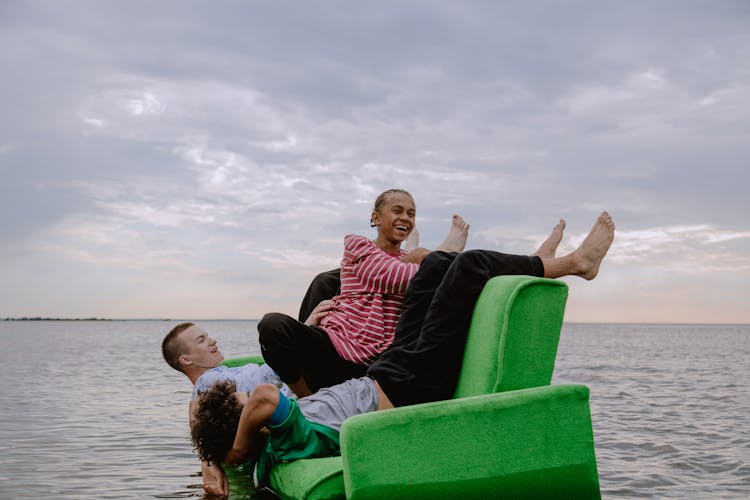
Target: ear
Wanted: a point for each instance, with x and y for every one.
(374, 219)
(185, 360)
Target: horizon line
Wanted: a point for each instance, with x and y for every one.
(196, 320)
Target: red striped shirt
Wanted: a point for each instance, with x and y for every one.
(363, 320)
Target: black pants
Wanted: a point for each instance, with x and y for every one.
(424, 361)
(324, 286)
(294, 349)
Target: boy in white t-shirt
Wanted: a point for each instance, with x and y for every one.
(190, 350)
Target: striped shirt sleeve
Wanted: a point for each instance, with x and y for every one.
(363, 320)
(372, 269)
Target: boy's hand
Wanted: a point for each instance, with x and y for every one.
(214, 480)
(416, 256)
(320, 312)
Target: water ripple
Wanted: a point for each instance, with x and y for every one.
(669, 407)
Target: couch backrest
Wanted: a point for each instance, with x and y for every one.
(513, 336)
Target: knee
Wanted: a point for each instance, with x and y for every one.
(471, 254)
(438, 259)
(270, 326)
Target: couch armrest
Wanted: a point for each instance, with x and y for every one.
(255, 359)
(528, 443)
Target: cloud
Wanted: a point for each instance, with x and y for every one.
(684, 249)
(243, 143)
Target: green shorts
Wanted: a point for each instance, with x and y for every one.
(295, 438)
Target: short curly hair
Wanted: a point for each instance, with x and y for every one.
(215, 422)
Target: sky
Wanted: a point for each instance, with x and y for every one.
(182, 159)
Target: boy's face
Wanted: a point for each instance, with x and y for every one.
(200, 349)
(395, 218)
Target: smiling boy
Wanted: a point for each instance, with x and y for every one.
(190, 350)
(344, 335)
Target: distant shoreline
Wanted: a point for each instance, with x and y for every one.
(230, 320)
(44, 318)
(39, 318)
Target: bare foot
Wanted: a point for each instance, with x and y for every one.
(412, 241)
(593, 249)
(457, 235)
(549, 246)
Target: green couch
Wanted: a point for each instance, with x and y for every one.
(507, 432)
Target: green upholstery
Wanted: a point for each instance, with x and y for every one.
(258, 360)
(530, 443)
(525, 443)
(313, 479)
(513, 337)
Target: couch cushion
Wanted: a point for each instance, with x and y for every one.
(513, 337)
(313, 478)
(530, 443)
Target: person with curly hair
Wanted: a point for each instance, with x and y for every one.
(215, 421)
(193, 352)
(421, 365)
(269, 428)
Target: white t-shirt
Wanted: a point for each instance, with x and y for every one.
(247, 378)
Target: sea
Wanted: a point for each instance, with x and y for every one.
(89, 409)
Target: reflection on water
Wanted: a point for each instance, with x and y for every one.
(90, 409)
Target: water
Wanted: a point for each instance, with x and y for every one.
(670, 406)
(90, 410)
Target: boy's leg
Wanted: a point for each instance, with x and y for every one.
(330, 406)
(393, 363)
(453, 304)
(324, 286)
(427, 367)
(585, 260)
(419, 295)
(302, 355)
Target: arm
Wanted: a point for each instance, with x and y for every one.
(214, 480)
(255, 415)
(375, 270)
(416, 256)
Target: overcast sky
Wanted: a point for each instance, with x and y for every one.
(205, 159)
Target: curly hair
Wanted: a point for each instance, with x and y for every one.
(215, 422)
